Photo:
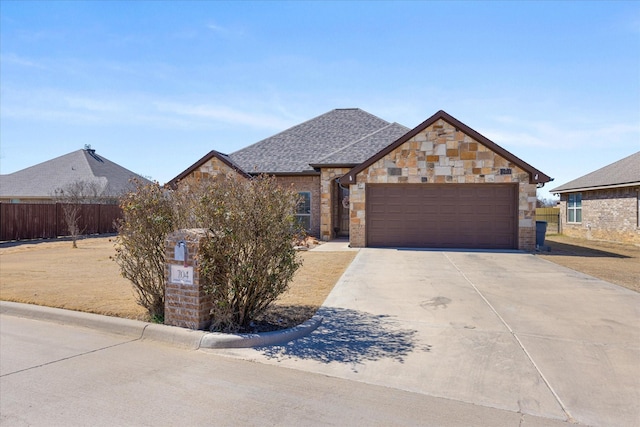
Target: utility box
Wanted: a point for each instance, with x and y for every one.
(186, 304)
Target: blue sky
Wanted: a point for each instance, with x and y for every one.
(154, 86)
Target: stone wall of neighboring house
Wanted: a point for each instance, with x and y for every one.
(610, 214)
(310, 183)
(328, 199)
(443, 154)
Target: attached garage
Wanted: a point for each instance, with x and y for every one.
(443, 185)
(473, 216)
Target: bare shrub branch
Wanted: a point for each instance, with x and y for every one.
(71, 197)
(249, 259)
(147, 219)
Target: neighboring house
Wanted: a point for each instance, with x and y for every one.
(604, 204)
(441, 184)
(38, 184)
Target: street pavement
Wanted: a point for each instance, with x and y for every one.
(67, 375)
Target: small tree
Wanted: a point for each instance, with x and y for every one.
(142, 231)
(71, 197)
(249, 258)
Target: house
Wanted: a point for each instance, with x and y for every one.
(603, 204)
(38, 184)
(441, 184)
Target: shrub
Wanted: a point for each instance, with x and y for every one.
(147, 219)
(71, 197)
(248, 259)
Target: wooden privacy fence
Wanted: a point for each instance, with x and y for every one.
(22, 221)
(552, 216)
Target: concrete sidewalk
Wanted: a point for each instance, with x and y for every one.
(502, 330)
(336, 245)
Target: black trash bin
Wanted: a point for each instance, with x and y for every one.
(541, 230)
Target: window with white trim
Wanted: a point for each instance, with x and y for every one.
(303, 211)
(574, 208)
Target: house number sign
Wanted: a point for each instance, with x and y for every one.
(180, 274)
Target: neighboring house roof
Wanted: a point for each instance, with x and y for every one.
(42, 180)
(295, 149)
(623, 173)
(535, 176)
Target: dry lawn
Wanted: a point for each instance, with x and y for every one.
(52, 273)
(614, 262)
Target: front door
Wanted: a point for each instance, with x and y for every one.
(343, 212)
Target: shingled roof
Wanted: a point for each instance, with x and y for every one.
(623, 173)
(295, 149)
(360, 150)
(42, 180)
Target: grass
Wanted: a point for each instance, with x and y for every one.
(53, 274)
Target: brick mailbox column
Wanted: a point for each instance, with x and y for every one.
(185, 302)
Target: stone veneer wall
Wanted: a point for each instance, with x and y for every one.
(442, 154)
(309, 183)
(212, 168)
(299, 183)
(327, 178)
(610, 214)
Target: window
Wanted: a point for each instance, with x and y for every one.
(303, 213)
(574, 208)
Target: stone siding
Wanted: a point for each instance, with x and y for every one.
(610, 214)
(299, 183)
(442, 154)
(310, 183)
(328, 200)
(213, 168)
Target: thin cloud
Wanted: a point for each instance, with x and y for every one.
(558, 134)
(14, 59)
(225, 31)
(225, 115)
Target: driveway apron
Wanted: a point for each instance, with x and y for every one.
(499, 329)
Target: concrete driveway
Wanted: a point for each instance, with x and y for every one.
(499, 329)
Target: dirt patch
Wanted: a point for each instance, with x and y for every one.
(53, 274)
(613, 262)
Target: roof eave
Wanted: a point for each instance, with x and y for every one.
(333, 165)
(297, 173)
(597, 187)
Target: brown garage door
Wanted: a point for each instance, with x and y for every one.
(479, 216)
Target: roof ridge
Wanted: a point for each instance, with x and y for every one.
(358, 140)
(280, 133)
(305, 122)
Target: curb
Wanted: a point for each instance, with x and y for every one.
(173, 335)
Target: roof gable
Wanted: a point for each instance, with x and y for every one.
(624, 172)
(293, 150)
(43, 179)
(206, 158)
(535, 176)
